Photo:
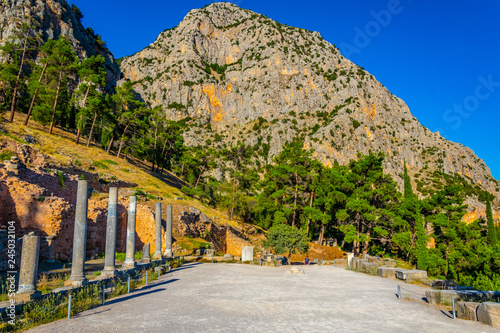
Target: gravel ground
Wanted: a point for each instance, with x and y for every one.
(246, 298)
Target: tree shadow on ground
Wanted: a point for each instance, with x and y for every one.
(165, 177)
(141, 292)
(185, 266)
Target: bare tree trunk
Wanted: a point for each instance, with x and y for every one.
(79, 132)
(13, 104)
(92, 128)
(232, 204)
(321, 234)
(34, 96)
(199, 176)
(310, 205)
(365, 248)
(55, 103)
(121, 141)
(295, 199)
(110, 144)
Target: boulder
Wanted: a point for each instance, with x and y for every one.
(227, 256)
(387, 272)
(489, 313)
(467, 310)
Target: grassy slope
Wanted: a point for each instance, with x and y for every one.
(61, 148)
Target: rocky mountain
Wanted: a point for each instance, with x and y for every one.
(261, 82)
(54, 18)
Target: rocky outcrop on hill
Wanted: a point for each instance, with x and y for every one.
(261, 82)
(56, 18)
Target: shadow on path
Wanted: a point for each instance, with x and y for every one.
(78, 315)
(136, 294)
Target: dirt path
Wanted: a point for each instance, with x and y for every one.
(243, 298)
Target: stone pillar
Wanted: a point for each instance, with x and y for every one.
(247, 253)
(146, 259)
(109, 258)
(349, 258)
(29, 268)
(157, 254)
(168, 241)
(130, 251)
(77, 277)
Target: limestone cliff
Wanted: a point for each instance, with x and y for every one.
(262, 82)
(56, 18)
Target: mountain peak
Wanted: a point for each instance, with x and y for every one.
(264, 83)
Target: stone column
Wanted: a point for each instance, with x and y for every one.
(77, 277)
(168, 241)
(29, 268)
(349, 258)
(157, 254)
(130, 251)
(146, 259)
(109, 258)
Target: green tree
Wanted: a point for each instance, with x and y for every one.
(124, 105)
(17, 50)
(62, 62)
(92, 80)
(371, 206)
(492, 231)
(284, 238)
(284, 189)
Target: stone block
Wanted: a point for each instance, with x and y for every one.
(227, 256)
(341, 262)
(359, 264)
(388, 262)
(354, 262)
(368, 266)
(444, 284)
(444, 296)
(413, 275)
(466, 310)
(247, 253)
(373, 259)
(387, 272)
(489, 313)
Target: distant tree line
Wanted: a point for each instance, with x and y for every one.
(357, 204)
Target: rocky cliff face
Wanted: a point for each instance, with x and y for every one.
(55, 18)
(261, 82)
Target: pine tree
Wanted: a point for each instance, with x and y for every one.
(62, 62)
(18, 51)
(92, 80)
(492, 231)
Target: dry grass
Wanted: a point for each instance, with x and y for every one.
(61, 148)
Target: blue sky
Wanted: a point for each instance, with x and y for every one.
(441, 57)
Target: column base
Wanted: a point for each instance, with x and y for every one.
(157, 256)
(76, 283)
(168, 254)
(129, 265)
(145, 261)
(109, 272)
(26, 297)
